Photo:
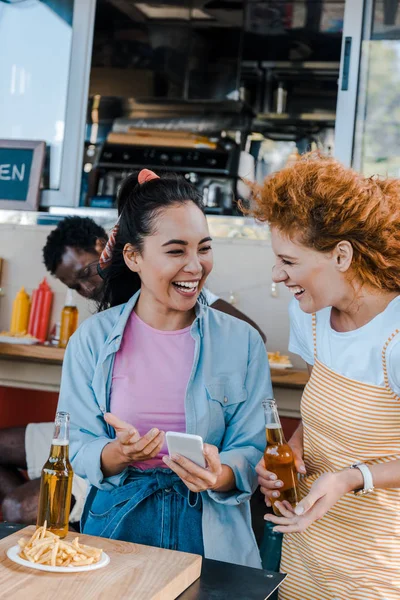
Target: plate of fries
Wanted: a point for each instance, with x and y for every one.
(279, 361)
(46, 551)
(23, 338)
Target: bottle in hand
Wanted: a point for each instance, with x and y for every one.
(278, 457)
(56, 481)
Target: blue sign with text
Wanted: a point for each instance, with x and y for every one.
(15, 170)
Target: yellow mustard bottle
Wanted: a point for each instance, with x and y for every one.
(69, 319)
(20, 313)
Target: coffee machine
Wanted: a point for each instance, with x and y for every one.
(213, 170)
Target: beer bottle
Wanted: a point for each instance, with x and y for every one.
(56, 481)
(278, 457)
(69, 319)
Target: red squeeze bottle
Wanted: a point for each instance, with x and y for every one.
(42, 299)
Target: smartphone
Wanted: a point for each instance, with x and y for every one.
(186, 444)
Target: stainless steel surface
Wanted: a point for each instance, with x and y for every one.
(347, 99)
(75, 118)
(234, 228)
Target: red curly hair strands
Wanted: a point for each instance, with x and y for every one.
(322, 202)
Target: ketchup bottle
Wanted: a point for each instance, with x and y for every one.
(42, 299)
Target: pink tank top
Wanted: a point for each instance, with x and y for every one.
(150, 376)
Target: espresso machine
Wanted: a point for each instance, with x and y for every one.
(213, 170)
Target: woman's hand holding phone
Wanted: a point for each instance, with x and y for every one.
(132, 446)
(198, 479)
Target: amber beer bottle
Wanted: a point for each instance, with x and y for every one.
(69, 319)
(278, 457)
(56, 481)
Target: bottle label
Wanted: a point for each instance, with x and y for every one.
(56, 442)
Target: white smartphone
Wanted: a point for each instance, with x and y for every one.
(186, 444)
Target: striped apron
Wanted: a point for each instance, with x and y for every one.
(353, 552)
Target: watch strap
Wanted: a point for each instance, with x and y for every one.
(367, 476)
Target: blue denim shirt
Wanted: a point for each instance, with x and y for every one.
(229, 379)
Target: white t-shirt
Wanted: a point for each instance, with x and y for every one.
(209, 296)
(355, 354)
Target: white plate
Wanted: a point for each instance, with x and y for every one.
(280, 366)
(13, 554)
(9, 339)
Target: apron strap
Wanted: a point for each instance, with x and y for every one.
(314, 333)
(384, 363)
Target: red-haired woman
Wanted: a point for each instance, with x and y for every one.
(336, 237)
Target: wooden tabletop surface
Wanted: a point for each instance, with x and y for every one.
(134, 571)
(286, 378)
(34, 352)
(289, 378)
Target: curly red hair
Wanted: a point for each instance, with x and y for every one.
(323, 202)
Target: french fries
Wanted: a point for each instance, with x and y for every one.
(46, 548)
(278, 358)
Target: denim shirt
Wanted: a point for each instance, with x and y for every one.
(229, 379)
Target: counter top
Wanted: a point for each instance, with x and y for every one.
(289, 378)
(33, 353)
(284, 378)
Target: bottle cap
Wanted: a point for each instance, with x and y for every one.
(43, 285)
(70, 299)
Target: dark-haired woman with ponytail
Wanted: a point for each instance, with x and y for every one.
(155, 359)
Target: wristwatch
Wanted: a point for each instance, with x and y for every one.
(368, 481)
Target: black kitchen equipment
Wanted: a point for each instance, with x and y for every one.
(212, 171)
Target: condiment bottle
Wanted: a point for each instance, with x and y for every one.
(42, 299)
(56, 481)
(20, 313)
(69, 319)
(278, 457)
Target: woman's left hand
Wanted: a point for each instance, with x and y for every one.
(323, 494)
(194, 477)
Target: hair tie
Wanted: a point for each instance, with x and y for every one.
(144, 176)
(106, 255)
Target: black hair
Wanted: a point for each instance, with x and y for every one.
(138, 206)
(76, 232)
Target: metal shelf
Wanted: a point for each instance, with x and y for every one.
(323, 117)
(306, 66)
(301, 66)
(292, 126)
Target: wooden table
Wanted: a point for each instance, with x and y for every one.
(33, 367)
(135, 571)
(218, 580)
(294, 379)
(33, 353)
